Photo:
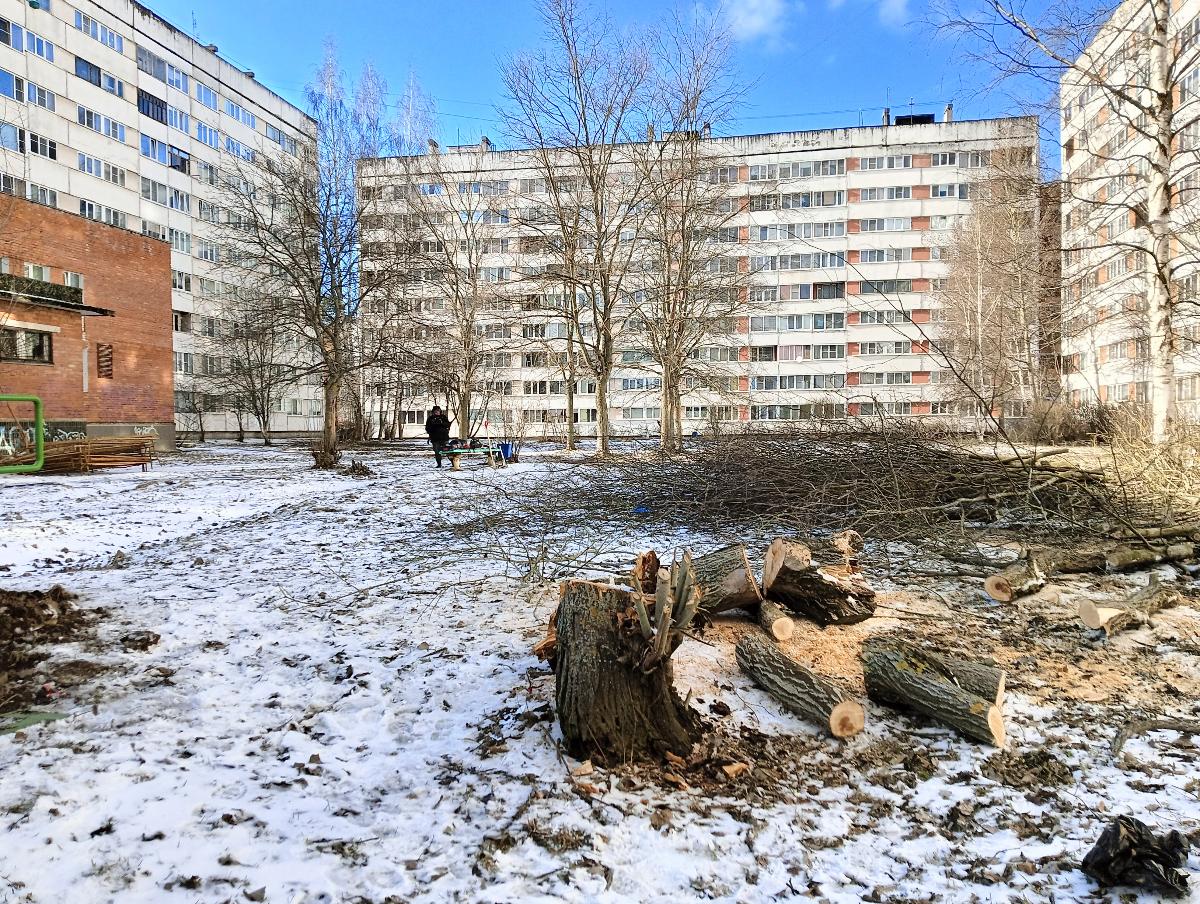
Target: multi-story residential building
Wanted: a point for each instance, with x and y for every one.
(109, 112)
(1110, 261)
(836, 235)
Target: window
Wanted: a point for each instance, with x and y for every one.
(11, 35)
(208, 251)
(183, 362)
(72, 279)
(89, 72)
(12, 86)
(181, 280)
(12, 138)
(39, 46)
(177, 79)
(43, 147)
(944, 158)
(884, 255)
(102, 124)
(886, 193)
(154, 191)
(181, 241)
(899, 161)
(40, 272)
(180, 200)
(38, 96)
(242, 115)
(39, 194)
(885, 286)
(26, 345)
(154, 149)
(94, 166)
(233, 146)
(206, 95)
(154, 107)
(101, 33)
(177, 119)
(154, 230)
(177, 159)
(764, 202)
(886, 224)
(152, 64)
(208, 135)
(112, 84)
(94, 211)
(942, 223)
(287, 142)
(961, 190)
(104, 360)
(884, 317)
(885, 348)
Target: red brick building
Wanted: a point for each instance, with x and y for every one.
(85, 322)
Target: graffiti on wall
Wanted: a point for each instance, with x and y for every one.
(17, 439)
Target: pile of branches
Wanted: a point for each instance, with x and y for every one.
(892, 484)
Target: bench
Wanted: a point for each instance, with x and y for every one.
(495, 457)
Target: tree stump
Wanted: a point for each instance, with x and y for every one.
(904, 676)
(834, 595)
(800, 690)
(608, 706)
(726, 580)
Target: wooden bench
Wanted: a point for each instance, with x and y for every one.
(494, 456)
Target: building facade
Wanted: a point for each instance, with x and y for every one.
(81, 323)
(836, 234)
(109, 112)
(1109, 254)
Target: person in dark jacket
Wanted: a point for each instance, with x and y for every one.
(437, 425)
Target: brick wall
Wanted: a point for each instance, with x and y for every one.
(122, 271)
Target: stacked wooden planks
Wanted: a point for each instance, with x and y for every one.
(81, 456)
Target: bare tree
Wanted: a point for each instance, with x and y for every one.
(298, 231)
(1130, 108)
(1000, 278)
(578, 105)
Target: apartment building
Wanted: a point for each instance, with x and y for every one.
(838, 233)
(1105, 167)
(110, 113)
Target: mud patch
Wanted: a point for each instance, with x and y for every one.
(30, 620)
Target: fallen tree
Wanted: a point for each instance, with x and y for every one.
(798, 688)
(899, 674)
(1031, 572)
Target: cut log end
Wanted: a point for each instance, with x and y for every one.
(847, 719)
(1096, 617)
(782, 628)
(995, 721)
(999, 588)
(775, 620)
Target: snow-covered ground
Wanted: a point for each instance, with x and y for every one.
(343, 708)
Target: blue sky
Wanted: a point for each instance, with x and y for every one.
(813, 63)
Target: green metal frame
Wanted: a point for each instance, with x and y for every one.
(39, 434)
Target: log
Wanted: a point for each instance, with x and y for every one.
(1134, 611)
(800, 690)
(833, 595)
(726, 580)
(608, 705)
(903, 676)
(1030, 573)
(773, 619)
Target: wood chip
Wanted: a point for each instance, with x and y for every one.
(675, 780)
(674, 760)
(733, 770)
(586, 769)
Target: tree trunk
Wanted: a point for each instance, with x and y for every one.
(603, 426)
(607, 706)
(1134, 611)
(726, 580)
(833, 595)
(1028, 575)
(1158, 223)
(775, 621)
(327, 455)
(904, 676)
(800, 690)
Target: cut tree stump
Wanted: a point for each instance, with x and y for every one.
(773, 619)
(901, 675)
(608, 706)
(726, 580)
(802, 691)
(1134, 611)
(833, 595)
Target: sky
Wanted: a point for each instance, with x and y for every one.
(809, 63)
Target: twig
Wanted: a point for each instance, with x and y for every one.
(1141, 726)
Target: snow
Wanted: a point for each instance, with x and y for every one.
(343, 708)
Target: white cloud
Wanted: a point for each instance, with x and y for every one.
(752, 19)
(893, 12)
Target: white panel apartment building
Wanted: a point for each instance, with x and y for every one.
(1106, 330)
(838, 232)
(109, 111)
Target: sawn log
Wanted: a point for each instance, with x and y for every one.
(833, 595)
